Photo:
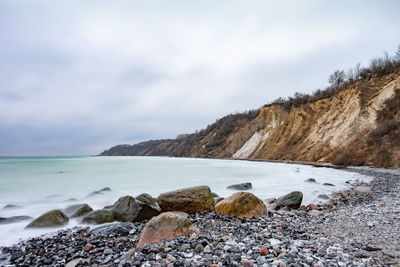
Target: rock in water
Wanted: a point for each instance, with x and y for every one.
(11, 207)
(148, 199)
(78, 210)
(242, 186)
(52, 218)
(241, 204)
(217, 199)
(292, 200)
(128, 209)
(99, 217)
(310, 180)
(190, 200)
(167, 225)
(14, 219)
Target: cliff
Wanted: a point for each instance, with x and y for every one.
(357, 125)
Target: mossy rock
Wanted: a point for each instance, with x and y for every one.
(99, 217)
(52, 218)
(292, 200)
(241, 204)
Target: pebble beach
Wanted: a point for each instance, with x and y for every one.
(356, 227)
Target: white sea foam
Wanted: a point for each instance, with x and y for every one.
(41, 184)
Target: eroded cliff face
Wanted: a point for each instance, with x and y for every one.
(358, 125)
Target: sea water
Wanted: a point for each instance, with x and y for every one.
(40, 184)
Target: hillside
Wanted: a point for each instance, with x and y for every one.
(354, 122)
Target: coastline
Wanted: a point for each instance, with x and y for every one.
(354, 229)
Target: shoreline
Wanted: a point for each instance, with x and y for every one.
(290, 237)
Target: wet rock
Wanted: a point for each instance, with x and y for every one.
(328, 184)
(78, 210)
(167, 225)
(242, 204)
(310, 180)
(273, 206)
(323, 196)
(292, 200)
(116, 229)
(214, 194)
(52, 218)
(363, 190)
(190, 200)
(99, 217)
(241, 186)
(99, 192)
(11, 207)
(14, 219)
(128, 209)
(149, 200)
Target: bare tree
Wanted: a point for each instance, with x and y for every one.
(337, 79)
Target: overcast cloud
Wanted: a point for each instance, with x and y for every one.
(80, 76)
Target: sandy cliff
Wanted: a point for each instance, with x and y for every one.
(360, 124)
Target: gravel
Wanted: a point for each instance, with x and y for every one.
(356, 228)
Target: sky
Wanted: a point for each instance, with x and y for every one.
(77, 77)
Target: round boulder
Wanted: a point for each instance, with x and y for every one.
(292, 200)
(52, 218)
(190, 200)
(99, 217)
(242, 186)
(128, 209)
(167, 225)
(78, 210)
(241, 204)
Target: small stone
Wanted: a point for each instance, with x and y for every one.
(247, 262)
(273, 206)
(323, 196)
(199, 248)
(310, 180)
(312, 207)
(264, 251)
(107, 251)
(282, 264)
(88, 247)
(207, 249)
(315, 213)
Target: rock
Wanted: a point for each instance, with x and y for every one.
(11, 207)
(315, 212)
(217, 199)
(88, 247)
(14, 219)
(264, 251)
(99, 217)
(74, 262)
(363, 190)
(149, 200)
(323, 196)
(273, 206)
(312, 207)
(328, 184)
(191, 200)
(214, 194)
(78, 210)
(108, 207)
(242, 186)
(274, 242)
(128, 209)
(116, 229)
(246, 262)
(292, 200)
(242, 204)
(167, 225)
(269, 200)
(99, 192)
(52, 218)
(310, 180)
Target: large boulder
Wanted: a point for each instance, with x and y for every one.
(292, 200)
(78, 210)
(242, 186)
(241, 204)
(148, 199)
(167, 225)
(128, 209)
(52, 218)
(99, 217)
(190, 200)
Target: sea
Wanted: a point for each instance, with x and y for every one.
(39, 184)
